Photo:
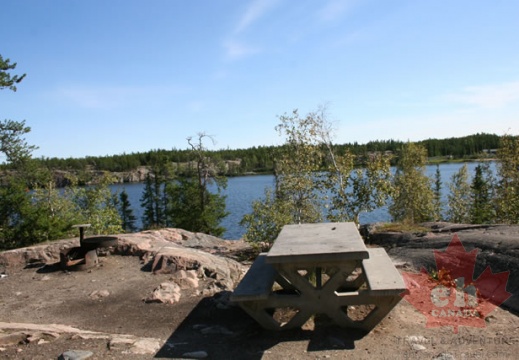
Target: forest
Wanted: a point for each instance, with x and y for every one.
(260, 159)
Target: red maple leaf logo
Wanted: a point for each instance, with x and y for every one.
(451, 296)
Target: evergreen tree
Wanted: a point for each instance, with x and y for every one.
(6, 79)
(188, 212)
(126, 213)
(437, 193)
(148, 203)
(481, 211)
(189, 202)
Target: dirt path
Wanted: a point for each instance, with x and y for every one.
(199, 325)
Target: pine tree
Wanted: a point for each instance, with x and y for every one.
(126, 213)
(481, 211)
(437, 193)
(189, 202)
(149, 217)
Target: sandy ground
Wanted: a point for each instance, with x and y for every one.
(47, 295)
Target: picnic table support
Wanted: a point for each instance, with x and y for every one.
(346, 274)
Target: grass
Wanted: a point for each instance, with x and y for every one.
(401, 227)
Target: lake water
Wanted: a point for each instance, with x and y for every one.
(243, 190)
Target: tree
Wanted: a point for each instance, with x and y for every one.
(459, 198)
(54, 211)
(507, 191)
(296, 198)
(413, 199)
(150, 201)
(481, 210)
(6, 79)
(190, 203)
(312, 175)
(15, 199)
(98, 207)
(154, 199)
(12, 143)
(364, 189)
(297, 165)
(437, 194)
(126, 213)
(266, 220)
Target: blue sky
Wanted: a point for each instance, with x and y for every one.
(113, 77)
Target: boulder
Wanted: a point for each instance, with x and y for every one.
(47, 253)
(167, 293)
(165, 251)
(497, 245)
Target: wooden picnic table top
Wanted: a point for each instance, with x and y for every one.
(317, 243)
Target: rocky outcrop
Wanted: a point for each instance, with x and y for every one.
(45, 333)
(165, 251)
(497, 245)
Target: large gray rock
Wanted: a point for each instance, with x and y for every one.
(45, 253)
(164, 251)
(498, 247)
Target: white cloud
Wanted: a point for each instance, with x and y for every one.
(334, 9)
(110, 97)
(254, 11)
(236, 50)
(487, 96)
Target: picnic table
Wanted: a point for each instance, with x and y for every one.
(320, 268)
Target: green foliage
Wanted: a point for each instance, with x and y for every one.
(401, 227)
(12, 143)
(151, 201)
(98, 207)
(310, 172)
(260, 159)
(437, 194)
(15, 203)
(507, 191)
(361, 189)
(297, 165)
(187, 202)
(53, 213)
(186, 210)
(482, 187)
(126, 213)
(6, 79)
(266, 220)
(459, 198)
(413, 199)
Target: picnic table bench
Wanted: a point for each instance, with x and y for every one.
(320, 269)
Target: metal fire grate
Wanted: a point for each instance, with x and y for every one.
(85, 256)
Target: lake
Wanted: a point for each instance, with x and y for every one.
(243, 190)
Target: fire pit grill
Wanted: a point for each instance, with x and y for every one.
(84, 256)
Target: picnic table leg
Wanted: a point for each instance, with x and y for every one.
(338, 279)
(383, 305)
(258, 311)
(285, 284)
